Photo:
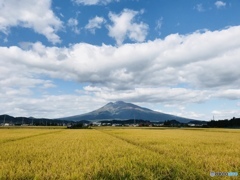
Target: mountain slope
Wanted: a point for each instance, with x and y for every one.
(122, 110)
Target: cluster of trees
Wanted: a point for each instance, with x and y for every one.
(234, 122)
(172, 123)
(79, 125)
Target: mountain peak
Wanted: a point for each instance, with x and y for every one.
(116, 103)
(120, 102)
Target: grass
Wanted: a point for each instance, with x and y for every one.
(118, 153)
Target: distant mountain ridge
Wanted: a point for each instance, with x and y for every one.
(7, 119)
(122, 110)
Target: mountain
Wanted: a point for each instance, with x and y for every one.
(122, 111)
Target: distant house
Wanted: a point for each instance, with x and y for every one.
(96, 123)
(116, 124)
(85, 124)
(158, 124)
(196, 123)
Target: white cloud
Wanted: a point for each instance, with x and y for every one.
(188, 114)
(95, 23)
(124, 26)
(93, 2)
(199, 8)
(220, 4)
(30, 14)
(73, 23)
(225, 114)
(159, 23)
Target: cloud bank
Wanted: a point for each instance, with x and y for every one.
(179, 69)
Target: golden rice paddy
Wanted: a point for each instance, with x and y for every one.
(118, 153)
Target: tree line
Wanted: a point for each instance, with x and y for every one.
(234, 122)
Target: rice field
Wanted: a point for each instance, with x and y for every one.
(118, 153)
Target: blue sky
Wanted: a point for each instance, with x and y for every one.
(63, 58)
